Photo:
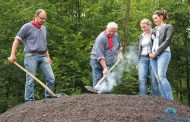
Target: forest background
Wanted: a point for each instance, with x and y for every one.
(72, 28)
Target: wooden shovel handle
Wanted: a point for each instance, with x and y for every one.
(36, 79)
(102, 79)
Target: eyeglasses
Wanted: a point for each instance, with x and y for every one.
(42, 18)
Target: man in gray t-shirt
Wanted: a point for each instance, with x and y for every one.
(33, 35)
(105, 52)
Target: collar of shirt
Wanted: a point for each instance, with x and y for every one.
(36, 24)
(107, 34)
(160, 26)
(109, 41)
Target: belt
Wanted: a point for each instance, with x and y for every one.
(37, 52)
(145, 56)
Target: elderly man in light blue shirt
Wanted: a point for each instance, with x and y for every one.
(33, 35)
(105, 52)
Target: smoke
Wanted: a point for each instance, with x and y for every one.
(131, 57)
(129, 61)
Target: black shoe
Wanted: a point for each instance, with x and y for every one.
(29, 101)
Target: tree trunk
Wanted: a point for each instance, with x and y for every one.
(187, 61)
(127, 14)
(187, 70)
(187, 77)
(181, 94)
(78, 14)
(138, 4)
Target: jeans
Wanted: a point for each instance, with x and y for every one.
(160, 66)
(33, 62)
(97, 75)
(144, 68)
(96, 71)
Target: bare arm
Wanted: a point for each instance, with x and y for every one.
(103, 64)
(47, 55)
(120, 56)
(15, 45)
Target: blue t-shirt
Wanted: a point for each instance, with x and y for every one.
(33, 38)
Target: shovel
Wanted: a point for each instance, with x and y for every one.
(89, 88)
(40, 82)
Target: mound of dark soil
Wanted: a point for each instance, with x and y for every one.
(97, 108)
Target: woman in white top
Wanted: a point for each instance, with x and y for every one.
(161, 54)
(144, 67)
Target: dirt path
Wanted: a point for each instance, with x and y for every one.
(98, 108)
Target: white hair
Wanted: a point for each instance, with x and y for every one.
(112, 25)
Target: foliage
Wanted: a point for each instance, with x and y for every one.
(72, 28)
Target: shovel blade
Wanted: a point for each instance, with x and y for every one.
(61, 95)
(89, 88)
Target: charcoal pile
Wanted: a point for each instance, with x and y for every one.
(98, 108)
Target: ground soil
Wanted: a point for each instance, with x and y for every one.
(98, 108)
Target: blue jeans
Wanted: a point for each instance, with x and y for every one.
(33, 62)
(96, 71)
(160, 66)
(97, 75)
(144, 68)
